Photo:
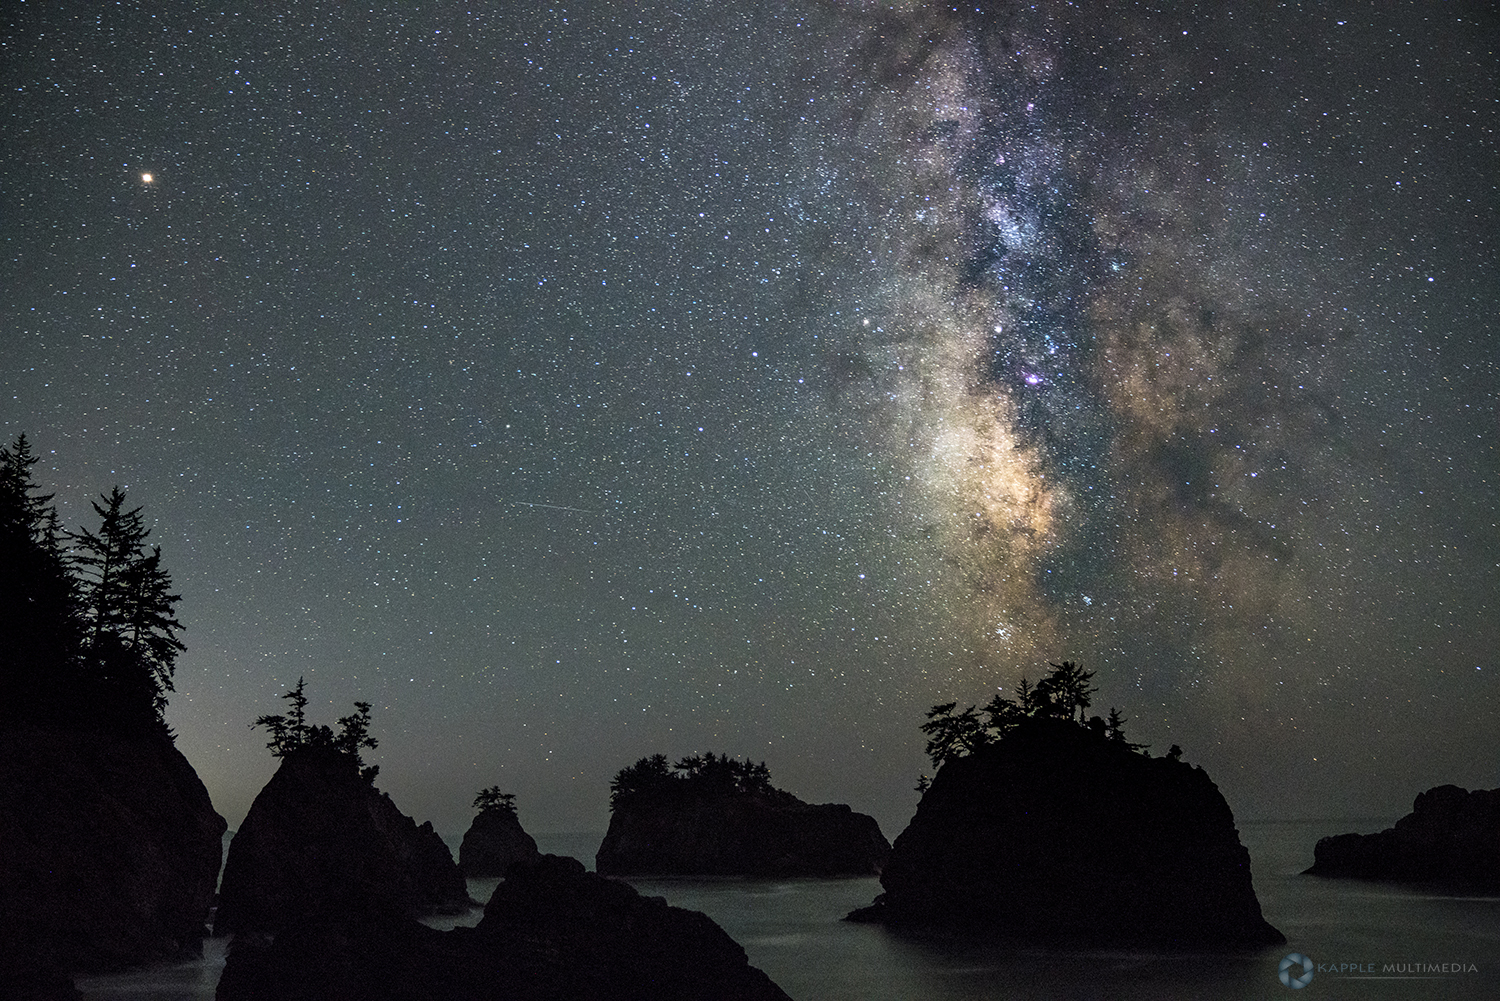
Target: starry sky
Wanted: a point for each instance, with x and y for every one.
(579, 382)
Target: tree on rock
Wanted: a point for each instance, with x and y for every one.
(696, 776)
(493, 799)
(950, 735)
(710, 814)
(39, 615)
(646, 777)
(495, 839)
(1064, 693)
(291, 732)
(129, 630)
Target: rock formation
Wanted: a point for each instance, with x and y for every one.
(770, 833)
(551, 931)
(1451, 838)
(320, 833)
(1055, 833)
(493, 841)
(109, 850)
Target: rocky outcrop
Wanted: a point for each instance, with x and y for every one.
(109, 850)
(318, 833)
(1057, 834)
(493, 841)
(1451, 838)
(551, 931)
(740, 834)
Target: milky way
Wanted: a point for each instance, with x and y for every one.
(1117, 381)
(1067, 345)
(576, 383)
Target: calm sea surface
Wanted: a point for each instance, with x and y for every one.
(1366, 940)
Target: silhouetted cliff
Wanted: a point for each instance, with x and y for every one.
(1056, 833)
(1451, 838)
(319, 832)
(109, 849)
(551, 931)
(746, 834)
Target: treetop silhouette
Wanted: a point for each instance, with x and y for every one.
(1064, 693)
(493, 799)
(88, 628)
(697, 776)
(292, 733)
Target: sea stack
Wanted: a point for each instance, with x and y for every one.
(1451, 838)
(713, 816)
(1055, 833)
(493, 842)
(109, 850)
(320, 833)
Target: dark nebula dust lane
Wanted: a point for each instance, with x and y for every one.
(576, 383)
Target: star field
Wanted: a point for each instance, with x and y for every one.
(576, 383)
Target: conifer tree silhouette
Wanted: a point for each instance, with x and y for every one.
(130, 642)
(1063, 693)
(39, 625)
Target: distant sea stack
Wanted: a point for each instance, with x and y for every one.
(1055, 833)
(109, 849)
(493, 842)
(713, 816)
(1451, 838)
(551, 931)
(319, 833)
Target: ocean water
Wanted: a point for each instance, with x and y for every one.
(1366, 940)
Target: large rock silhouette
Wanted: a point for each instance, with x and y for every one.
(770, 833)
(1057, 834)
(1451, 838)
(493, 841)
(319, 833)
(551, 931)
(109, 850)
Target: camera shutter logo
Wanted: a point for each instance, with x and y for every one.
(1289, 974)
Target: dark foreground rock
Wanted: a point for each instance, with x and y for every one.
(773, 834)
(551, 931)
(109, 851)
(29, 983)
(493, 841)
(1057, 834)
(317, 834)
(1451, 838)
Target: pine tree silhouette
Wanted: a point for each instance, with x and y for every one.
(40, 633)
(130, 642)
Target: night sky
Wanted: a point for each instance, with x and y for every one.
(582, 382)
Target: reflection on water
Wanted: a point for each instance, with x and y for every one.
(792, 930)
